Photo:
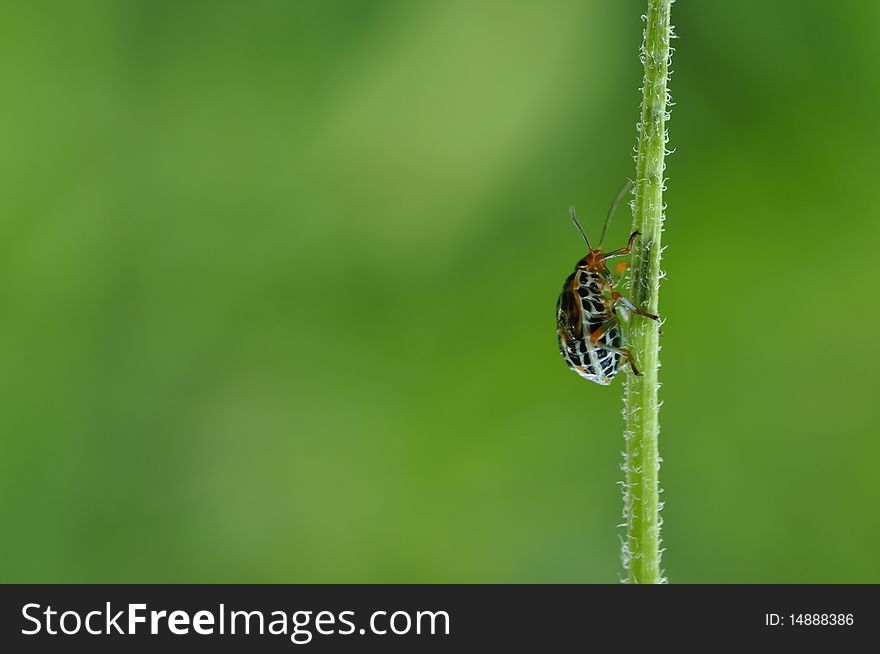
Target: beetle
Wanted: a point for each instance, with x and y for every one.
(589, 310)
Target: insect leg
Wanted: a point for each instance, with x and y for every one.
(597, 335)
(629, 357)
(600, 332)
(619, 299)
(618, 274)
(622, 252)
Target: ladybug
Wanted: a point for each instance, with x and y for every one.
(589, 311)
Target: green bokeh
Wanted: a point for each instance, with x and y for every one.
(278, 282)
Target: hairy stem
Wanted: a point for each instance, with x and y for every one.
(641, 550)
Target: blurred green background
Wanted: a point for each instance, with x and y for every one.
(278, 285)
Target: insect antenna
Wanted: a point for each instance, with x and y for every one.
(627, 186)
(579, 228)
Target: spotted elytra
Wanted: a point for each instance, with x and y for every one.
(589, 311)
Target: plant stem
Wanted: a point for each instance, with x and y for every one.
(641, 550)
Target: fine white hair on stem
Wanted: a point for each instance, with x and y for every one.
(641, 547)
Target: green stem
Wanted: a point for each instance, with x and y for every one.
(641, 550)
